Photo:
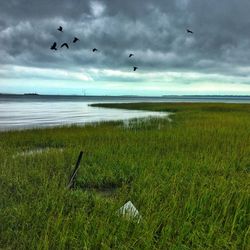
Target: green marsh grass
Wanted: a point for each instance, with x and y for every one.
(188, 177)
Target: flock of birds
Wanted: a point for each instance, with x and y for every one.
(54, 45)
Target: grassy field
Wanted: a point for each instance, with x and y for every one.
(188, 177)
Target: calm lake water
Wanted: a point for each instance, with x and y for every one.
(21, 112)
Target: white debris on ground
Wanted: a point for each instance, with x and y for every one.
(129, 211)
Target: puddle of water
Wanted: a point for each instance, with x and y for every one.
(36, 151)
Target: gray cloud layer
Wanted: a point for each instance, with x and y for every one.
(154, 30)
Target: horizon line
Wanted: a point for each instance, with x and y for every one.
(139, 96)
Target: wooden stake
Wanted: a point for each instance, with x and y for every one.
(73, 176)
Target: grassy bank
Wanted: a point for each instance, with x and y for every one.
(189, 179)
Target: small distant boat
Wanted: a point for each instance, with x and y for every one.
(30, 94)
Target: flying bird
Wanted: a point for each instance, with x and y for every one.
(190, 31)
(53, 47)
(94, 50)
(65, 44)
(130, 55)
(60, 28)
(135, 68)
(75, 40)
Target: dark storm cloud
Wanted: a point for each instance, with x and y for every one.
(153, 30)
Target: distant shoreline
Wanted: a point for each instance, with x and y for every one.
(127, 96)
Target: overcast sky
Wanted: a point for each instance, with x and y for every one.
(213, 60)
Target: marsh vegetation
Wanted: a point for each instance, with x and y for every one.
(188, 177)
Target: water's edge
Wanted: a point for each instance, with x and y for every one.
(28, 112)
(27, 116)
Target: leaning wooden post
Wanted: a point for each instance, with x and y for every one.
(73, 176)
